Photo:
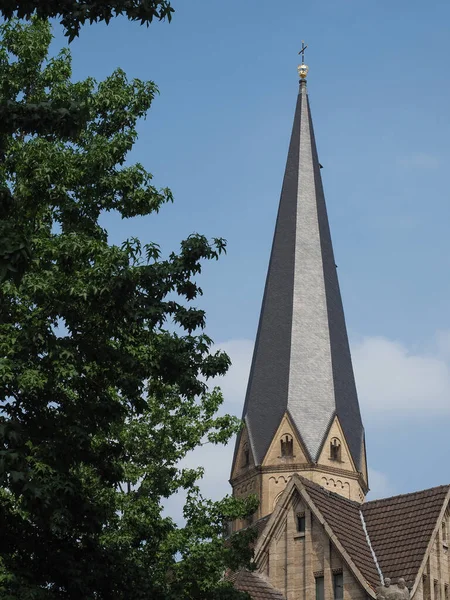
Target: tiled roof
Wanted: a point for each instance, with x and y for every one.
(344, 518)
(255, 585)
(400, 529)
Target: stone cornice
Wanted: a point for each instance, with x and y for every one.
(298, 467)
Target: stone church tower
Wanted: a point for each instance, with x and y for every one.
(302, 449)
(301, 410)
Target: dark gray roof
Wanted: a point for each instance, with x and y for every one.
(301, 361)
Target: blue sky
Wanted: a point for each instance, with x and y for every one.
(218, 135)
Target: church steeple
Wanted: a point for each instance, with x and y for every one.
(301, 382)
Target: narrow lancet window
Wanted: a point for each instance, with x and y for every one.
(338, 586)
(320, 588)
(301, 523)
(335, 450)
(245, 455)
(287, 445)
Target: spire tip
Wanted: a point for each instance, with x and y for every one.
(303, 69)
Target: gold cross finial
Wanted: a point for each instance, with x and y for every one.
(303, 69)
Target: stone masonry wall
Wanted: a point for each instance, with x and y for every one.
(294, 560)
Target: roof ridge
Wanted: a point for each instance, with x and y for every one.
(437, 487)
(372, 550)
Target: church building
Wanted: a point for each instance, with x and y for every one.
(302, 449)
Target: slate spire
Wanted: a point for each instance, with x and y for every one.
(301, 363)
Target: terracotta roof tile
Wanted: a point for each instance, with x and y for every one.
(343, 516)
(255, 585)
(400, 529)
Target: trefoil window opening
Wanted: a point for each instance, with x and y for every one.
(335, 450)
(287, 445)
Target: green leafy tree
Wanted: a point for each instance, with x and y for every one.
(74, 13)
(63, 116)
(103, 361)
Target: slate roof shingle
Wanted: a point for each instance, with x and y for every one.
(301, 305)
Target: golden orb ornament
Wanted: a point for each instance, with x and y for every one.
(303, 70)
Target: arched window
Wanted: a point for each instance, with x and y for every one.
(287, 445)
(444, 532)
(245, 455)
(335, 450)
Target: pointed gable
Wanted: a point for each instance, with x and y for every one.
(344, 519)
(243, 459)
(301, 362)
(273, 454)
(345, 460)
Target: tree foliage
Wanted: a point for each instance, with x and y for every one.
(75, 13)
(64, 117)
(104, 361)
